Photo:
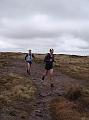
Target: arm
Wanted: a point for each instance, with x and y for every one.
(33, 56)
(26, 56)
(46, 59)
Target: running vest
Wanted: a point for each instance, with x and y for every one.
(29, 58)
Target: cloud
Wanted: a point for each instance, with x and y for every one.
(59, 8)
(40, 25)
(5, 45)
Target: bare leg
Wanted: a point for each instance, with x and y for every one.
(29, 68)
(51, 77)
(45, 74)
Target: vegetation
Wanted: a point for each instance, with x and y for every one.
(75, 104)
(17, 91)
(74, 66)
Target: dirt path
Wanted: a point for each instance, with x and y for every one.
(45, 93)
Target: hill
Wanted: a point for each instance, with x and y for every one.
(24, 97)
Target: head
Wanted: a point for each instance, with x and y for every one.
(51, 51)
(29, 51)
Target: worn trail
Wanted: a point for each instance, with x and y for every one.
(45, 93)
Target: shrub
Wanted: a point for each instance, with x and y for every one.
(73, 93)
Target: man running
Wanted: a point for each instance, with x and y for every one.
(29, 57)
(49, 59)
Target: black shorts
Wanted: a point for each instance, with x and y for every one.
(30, 62)
(48, 66)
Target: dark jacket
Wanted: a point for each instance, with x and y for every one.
(48, 58)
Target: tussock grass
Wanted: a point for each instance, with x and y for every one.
(73, 106)
(73, 92)
(75, 66)
(15, 87)
(17, 92)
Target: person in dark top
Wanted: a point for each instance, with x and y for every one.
(49, 59)
(28, 58)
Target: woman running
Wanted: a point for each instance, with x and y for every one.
(49, 59)
(29, 57)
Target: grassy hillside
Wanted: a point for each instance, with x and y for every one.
(72, 65)
(74, 105)
(75, 66)
(17, 92)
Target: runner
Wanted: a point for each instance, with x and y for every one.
(49, 59)
(29, 57)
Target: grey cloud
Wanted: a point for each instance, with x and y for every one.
(61, 24)
(60, 8)
(47, 28)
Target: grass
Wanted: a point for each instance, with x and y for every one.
(62, 109)
(14, 88)
(17, 92)
(73, 106)
(74, 66)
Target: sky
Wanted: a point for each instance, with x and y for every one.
(43, 24)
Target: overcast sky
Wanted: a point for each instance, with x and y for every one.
(43, 24)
